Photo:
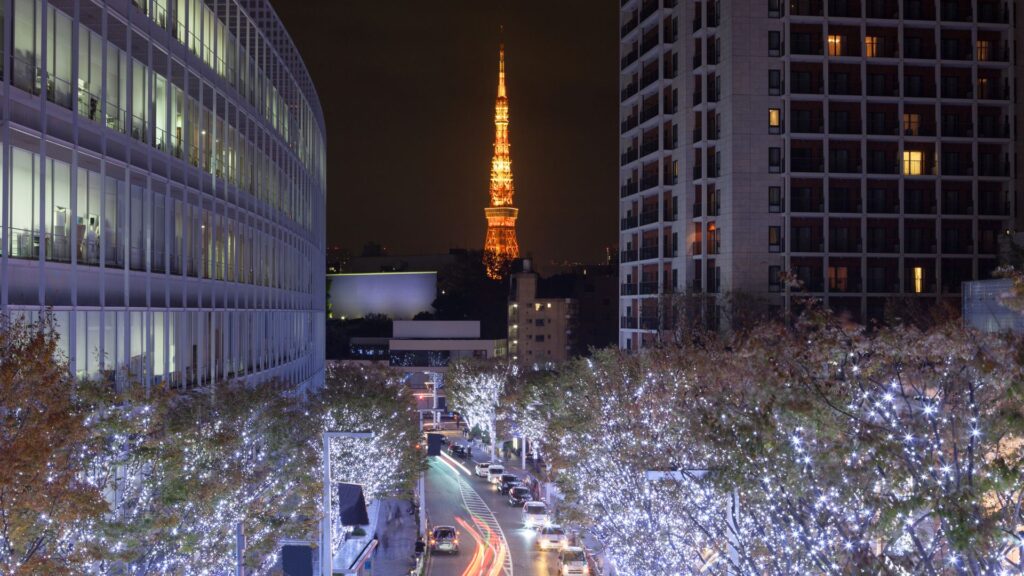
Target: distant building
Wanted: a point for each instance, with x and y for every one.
(431, 345)
(983, 309)
(397, 295)
(553, 319)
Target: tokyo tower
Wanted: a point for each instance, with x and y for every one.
(500, 246)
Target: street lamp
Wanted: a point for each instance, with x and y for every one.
(326, 544)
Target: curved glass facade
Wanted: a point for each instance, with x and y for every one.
(163, 188)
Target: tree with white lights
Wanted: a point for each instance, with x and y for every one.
(474, 390)
(810, 449)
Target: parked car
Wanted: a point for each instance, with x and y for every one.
(494, 473)
(552, 537)
(506, 482)
(481, 469)
(572, 561)
(519, 495)
(535, 514)
(444, 539)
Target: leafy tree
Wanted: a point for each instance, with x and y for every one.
(45, 443)
(474, 390)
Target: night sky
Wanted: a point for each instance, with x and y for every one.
(408, 91)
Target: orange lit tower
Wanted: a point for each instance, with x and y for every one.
(500, 246)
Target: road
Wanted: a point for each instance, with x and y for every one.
(455, 497)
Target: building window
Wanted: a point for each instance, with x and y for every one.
(913, 162)
(538, 322)
(911, 124)
(775, 238)
(775, 82)
(774, 8)
(774, 120)
(835, 45)
(775, 279)
(983, 50)
(775, 159)
(871, 46)
(774, 43)
(917, 273)
(775, 198)
(838, 278)
(539, 338)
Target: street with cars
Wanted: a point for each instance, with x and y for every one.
(485, 517)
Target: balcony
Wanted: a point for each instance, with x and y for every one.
(628, 27)
(648, 182)
(805, 8)
(649, 7)
(648, 112)
(649, 146)
(648, 78)
(648, 288)
(669, 252)
(630, 89)
(696, 172)
(629, 156)
(649, 41)
(648, 322)
(648, 252)
(628, 289)
(628, 255)
(628, 222)
(628, 124)
(994, 169)
(648, 217)
(628, 323)
(993, 13)
(695, 248)
(881, 167)
(696, 209)
(629, 58)
(806, 164)
(848, 285)
(628, 189)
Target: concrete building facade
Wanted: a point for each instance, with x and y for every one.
(163, 188)
(540, 329)
(864, 146)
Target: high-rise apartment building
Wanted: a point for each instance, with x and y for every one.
(163, 188)
(865, 146)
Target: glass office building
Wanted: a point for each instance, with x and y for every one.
(163, 188)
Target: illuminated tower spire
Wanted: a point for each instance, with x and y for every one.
(500, 246)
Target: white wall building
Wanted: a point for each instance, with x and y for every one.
(863, 145)
(163, 188)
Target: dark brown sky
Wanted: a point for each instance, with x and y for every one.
(408, 90)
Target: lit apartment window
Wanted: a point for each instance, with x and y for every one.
(775, 199)
(774, 120)
(871, 46)
(918, 275)
(983, 50)
(838, 278)
(913, 162)
(775, 238)
(911, 124)
(983, 88)
(835, 45)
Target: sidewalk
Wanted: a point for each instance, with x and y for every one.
(396, 533)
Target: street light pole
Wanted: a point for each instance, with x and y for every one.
(326, 542)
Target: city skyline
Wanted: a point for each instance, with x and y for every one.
(430, 74)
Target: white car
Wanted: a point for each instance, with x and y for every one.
(552, 537)
(481, 469)
(535, 514)
(572, 562)
(444, 539)
(494, 472)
